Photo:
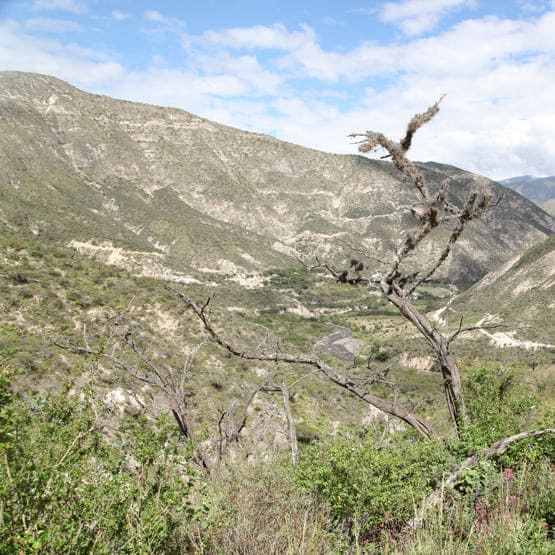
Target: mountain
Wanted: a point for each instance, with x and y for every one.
(518, 179)
(165, 193)
(548, 206)
(520, 295)
(540, 190)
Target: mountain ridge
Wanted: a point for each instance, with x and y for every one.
(203, 198)
(540, 190)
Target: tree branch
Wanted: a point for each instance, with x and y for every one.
(413, 420)
(478, 327)
(497, 448)
(289, 416)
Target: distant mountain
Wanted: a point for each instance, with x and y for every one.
(165, 193)
(540, 190)
(518, 179)
(520, 295)
(548, 206)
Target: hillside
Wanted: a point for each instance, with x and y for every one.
(520, 295)
(295, 412)
(165, 193)
(540, 190)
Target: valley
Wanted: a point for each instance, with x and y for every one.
(113, 214)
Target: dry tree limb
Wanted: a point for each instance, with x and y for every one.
(291, 423)
(418, 121)
(171, 381)
(497, 448)
(226, 436)
(423, 427)
(475, 206)
(289, 416)
(477, 327)
(373, 140)
(433, 210)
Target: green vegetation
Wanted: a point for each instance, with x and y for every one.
(71, 482)
(84, 473)
(126, 428)
(369, 482)
(67, 486)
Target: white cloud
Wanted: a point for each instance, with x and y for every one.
(79, 66)
(302, 55)
(53, 25)
(155, 16)
(63, 5)
(120, 16)
(418, 16)
(261, 37)
(197, 94)
(246, 68)
(497, 73)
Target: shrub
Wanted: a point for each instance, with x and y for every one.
(372, 489)
(65, 488)
(501, 403)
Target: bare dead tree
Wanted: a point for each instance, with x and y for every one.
(432, 210)
(231, 423)
(172, 382)
(284, 390)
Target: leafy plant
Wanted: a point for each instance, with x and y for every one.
(371, 488)
(66, 487)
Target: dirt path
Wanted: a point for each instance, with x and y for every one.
(509, 339)
(341, 344)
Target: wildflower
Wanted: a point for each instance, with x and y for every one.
(508, 474)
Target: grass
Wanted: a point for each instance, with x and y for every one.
(259, 509)
(501, 520)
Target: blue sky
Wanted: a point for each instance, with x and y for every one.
(311, 72)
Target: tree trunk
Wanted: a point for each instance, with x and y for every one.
(452, 384)
(291, 423)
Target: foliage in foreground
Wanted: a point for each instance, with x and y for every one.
(507, 513)
(373, 485)
(67, 487)
(368, 485)
(71, 483)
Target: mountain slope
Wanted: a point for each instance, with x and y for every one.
(163, 192)
(520, 295)
(540, 190)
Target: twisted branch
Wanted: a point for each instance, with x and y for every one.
(423, 427)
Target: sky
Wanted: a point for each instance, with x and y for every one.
(312, 72)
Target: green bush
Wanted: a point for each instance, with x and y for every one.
(501, 403)
(372, 489)
(66, 488)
